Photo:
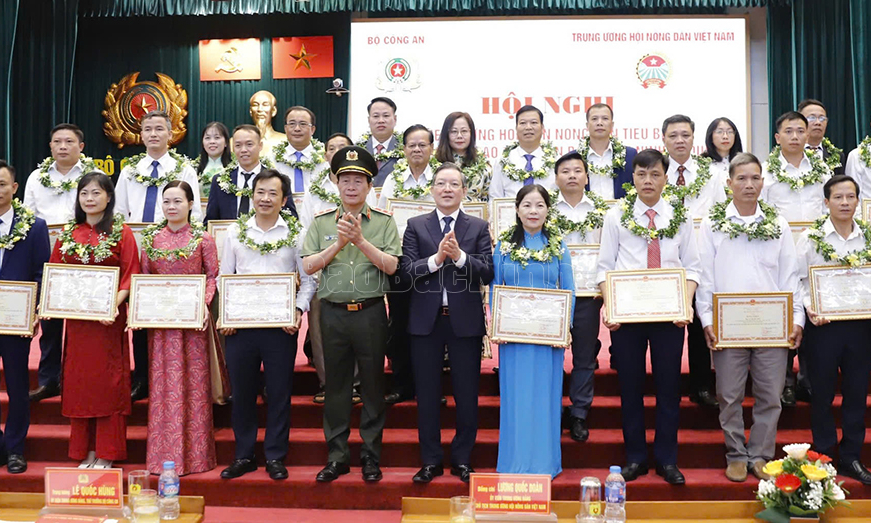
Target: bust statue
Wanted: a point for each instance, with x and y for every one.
(263, 110)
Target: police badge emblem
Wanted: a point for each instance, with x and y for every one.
(128, 101)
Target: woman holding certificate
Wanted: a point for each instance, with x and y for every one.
(531, 254)
(96, 363)
(180, 424)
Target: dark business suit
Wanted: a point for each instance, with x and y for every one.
(21, 263)
(624, 175)
(842, 157)
(386, 166)
(223, 206)
(460, 326)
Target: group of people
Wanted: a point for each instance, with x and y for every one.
(415, 296)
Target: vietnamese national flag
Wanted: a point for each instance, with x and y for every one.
(302, 57)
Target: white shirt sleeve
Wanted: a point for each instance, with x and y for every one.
(705, 290)
(122, 204)
(228, 260)
(190, 176)
(609, 245)
(497, 189)
(30, 200)
(387, 191)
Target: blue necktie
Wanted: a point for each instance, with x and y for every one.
(150, 196)
(297, 175)
(528, 168)
(448, 221)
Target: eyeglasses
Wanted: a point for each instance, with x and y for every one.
(301, 125)
(442, 184)
(460, 132)
(821, 119)
(724, 132)
(414, 146)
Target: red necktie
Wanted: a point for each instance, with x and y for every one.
(378, 150)
(680, 179)
(653, 254)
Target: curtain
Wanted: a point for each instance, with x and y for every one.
(8, 24)
(860, 29)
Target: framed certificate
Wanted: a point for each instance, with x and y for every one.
(839, 292)
(646, 296)
(218, 229)
(79, 292)
(502, 215)
(585, 259)
(528, 315)
(745, 320)
(866, 208)
(404, 210)
(797, 228)
(297, 200)
(204, 202)
(377, 193)
(162, 301)
(253, 301)
(17, 307)
(54, 231)
(137, 229)
(476, 209)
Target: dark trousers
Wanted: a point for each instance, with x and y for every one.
(844, 345)
(398, 343)
(15, 351)
(427, 357)
(50, 351)
(699, 355)
(350, 336)
(629, 344)
(800, 378)
(246, 350)
(585, 350)
(140, 357)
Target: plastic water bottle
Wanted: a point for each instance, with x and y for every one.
(591, 501)
(168, 488)
(615, 496)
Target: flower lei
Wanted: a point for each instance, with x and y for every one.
(472, 170)
(395, 154)
(61, 187)
(26, 217)
(225, 182)
(517, 174)
(279, 152)
(522, 255)
(317, 188)
(594, 219)
(703, 174)
(816, 174)
(70, 247)
(680, 215)
(767, 229)
(417, 192)
(269, 247)
(834, 159)
(865, 151)
(853, 258)
(154, 253)
(146, 179)
(618, 157)
(206, 176)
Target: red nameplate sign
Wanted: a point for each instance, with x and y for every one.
(526, 493)
(68, 518)
(73, 487)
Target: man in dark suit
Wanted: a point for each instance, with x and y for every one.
(224, 203)
(818, 122)
(598, 150)
(381, 141)
(448, 256)
(22, 255)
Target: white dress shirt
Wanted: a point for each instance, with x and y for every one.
(312, 204)
(130, 194)
(307, 174)
(5, 227)
(240, 182)
(375, 144)
(621, 250)
(409, 182)
(857, 170)
(578, 213)
(431, 263)
(722, 165)
(803, 205)
(601, 185)
(808, 255)
(713, 192)
(45, 202)
(742, 265)
(239, 259)
(816, 149)
(501, 186)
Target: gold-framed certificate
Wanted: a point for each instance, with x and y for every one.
(297, 200)
(502, 215)
(529, 315)
(585, 259)
(54, 231)
(167, 301)
(839, 292)
(255, 301)
(476, 209)
(136, 228)
(646, 296)
(404, 210)
(218, 229)
(79, 292)
(866, 208)
(17, 307)
(747, 320)
(204, 203)
(797, 228)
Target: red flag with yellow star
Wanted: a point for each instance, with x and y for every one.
(302, 57)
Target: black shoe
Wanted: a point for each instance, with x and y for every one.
(319, 397)
(444, 400)
(427, 473)
(395, 397)
(632, 471)
(854, 470)
(276, 469)
(45, 391)
(139, 391)
(787, 398)
(671, 473)
(803, 394)
(462, 471)
(371, 470)
(356, 399)
(238, 468)
(332, 471)
(579, 431)
(17, 464)
(705, 398)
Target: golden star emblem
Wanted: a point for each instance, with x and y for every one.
(302, 58)
(144, 105)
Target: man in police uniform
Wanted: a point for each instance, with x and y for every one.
(357, 247)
